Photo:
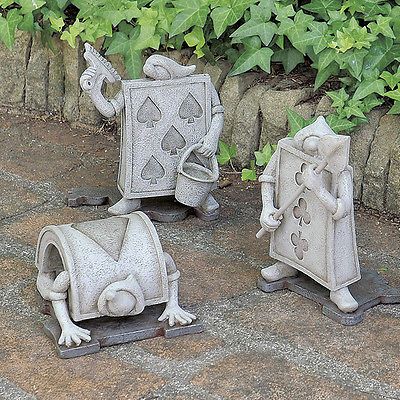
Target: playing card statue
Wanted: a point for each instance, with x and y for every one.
(307, 195)
(169, 114)
(113, 267)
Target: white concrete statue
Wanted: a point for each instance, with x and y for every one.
(113, 267)
(165, 116)
(307, 195)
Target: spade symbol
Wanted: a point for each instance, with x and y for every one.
(190, 109)
(173, 141)
(153, 170)
(148, 113)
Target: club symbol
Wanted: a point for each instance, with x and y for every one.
(300, 245)
(173, 141)
(190, 109)
(148, 113)
(299, 175)
(300, 212)
(152, 171)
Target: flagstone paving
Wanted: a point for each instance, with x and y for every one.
(255, 345)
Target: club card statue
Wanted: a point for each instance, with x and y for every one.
(307, 195)
(171, 123)
(113, 267)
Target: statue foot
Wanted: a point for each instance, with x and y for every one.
(125, 206)
(344, 300)
(208, 210)
(277, 271)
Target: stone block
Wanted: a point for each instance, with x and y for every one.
(55, 97)
(217, 72)
(13, 70)
(377, 168)
(324, 107)
(200, 63)
(274, 105)
(393, 188)
(231, 92)
(74, 66)
(360, 144)
(247, 124)
(37, 76)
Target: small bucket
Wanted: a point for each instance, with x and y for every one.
(194, 181)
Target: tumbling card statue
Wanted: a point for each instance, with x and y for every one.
(310, 181)
(108, 268)
(171, 123)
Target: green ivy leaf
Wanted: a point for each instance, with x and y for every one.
(380, 54)
(8, 26)
(395, 109)
(324, 74)
(252, 58)
(133, 59)
(367, 87)
(354, 60)
(322, 7)
(263, 156)
(71, 34)
(338, 124)
(394, 94)
(382, 25)
(27, 23)
(325, 58)
(28, 6)
(296, 122)
(391, 79)
(249, 174)
(189, 13)
(228, 14)
(289, 57)
(338, 97)
(226, 152)
(196, 39)
(265, 30)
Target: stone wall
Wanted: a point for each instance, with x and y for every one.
(38, 80)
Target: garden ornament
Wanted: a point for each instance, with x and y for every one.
(113, 267)
(307, 195)
(163, 116)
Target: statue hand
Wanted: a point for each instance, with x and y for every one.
(72, 333)
(174, 313)
(312, 180)
(267, 221)
(209, 147)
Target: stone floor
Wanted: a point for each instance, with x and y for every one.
(255, 346)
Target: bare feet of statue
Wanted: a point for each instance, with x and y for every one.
(277, 271)
(344, 300)
(125, 206)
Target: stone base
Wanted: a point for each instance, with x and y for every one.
(370, 291)
(108, 331)
(162, 209)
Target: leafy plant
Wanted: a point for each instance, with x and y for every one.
(249, 174)
(355, 43)
(226, 153)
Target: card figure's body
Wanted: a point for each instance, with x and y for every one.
(316, 233)
(163, 116)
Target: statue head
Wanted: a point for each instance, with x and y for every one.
(161, 68)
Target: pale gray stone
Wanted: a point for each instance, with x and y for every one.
(217, 72)
(199, 63)
(361, 140)
(306, 110)
(313, 230)
(247, 124)
(114, 267)
(74, 66)
(231, 93)
(37, 76)
(274, 105)
(171, 123)
(377, 168)
(55, 98)
(393, 188)
(324, 106)
(13, 70)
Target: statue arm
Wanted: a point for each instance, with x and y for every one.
(70, 333)
(92, 83)
(210, 141)
(173, 312)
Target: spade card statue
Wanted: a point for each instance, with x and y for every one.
(307, 195)
(113, 267)
(170, 113)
